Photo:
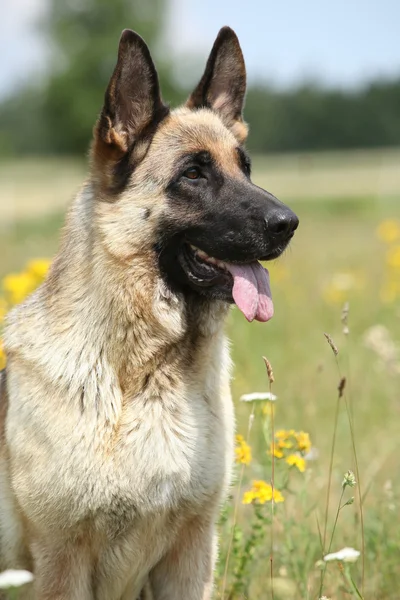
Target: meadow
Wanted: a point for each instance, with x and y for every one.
(347, 250)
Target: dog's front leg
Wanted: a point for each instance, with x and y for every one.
(63, 571)
(186, 571)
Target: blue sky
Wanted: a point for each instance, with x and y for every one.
(345, 42)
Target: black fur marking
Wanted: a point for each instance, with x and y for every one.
(125, 167)
(133, 98)
(122, 173)
(229, 218)
(133, 108)
(198, 159)
(146, 382)
(224, 76)
(82, 400)
(244, 161)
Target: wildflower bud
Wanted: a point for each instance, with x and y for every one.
(350, 501)
(349, 479)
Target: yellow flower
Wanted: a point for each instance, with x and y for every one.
(393, 257)
(285, 444)
(18, 285)
(2, 356)
(282, 441)
(388, 231)
(261, 492)
(283, 434)
(38, 268)
(276, 450)
(242, 451)
(289, 439)
(294, 460)
(248, 497)
(303, 441)
(278, 497)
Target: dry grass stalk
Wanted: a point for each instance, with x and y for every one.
(270, 372)
(331, 343)
(271, 380)
(341, 386)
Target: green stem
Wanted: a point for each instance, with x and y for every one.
(236, 509)
(256, 535)
(336, 520)
(350, 581)
(330, 543)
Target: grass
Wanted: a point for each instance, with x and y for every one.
(335, 257)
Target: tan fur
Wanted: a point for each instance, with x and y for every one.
(116, 422)
(118, 434)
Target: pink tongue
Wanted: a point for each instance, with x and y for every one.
(251, 291)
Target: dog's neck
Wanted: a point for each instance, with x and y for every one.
(116, 296)
(97, 318)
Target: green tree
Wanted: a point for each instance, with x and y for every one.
(82, 35)
(313, 118)
(57, 115)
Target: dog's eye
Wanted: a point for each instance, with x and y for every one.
(192, 173)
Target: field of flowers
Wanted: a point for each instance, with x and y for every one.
(314, 509)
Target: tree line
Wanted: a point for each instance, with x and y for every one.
(56, 115)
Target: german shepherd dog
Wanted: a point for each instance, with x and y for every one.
(117, 422)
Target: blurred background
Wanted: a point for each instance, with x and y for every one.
(323, 106)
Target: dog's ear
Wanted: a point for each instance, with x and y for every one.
(223, 85)
(132, 105)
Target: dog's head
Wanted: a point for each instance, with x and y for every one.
(175, 185)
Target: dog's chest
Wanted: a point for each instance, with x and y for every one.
(170, 452)
(167, 456)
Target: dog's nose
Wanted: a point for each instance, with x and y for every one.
(281, 222)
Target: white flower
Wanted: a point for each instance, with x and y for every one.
(344, 555)
(258, 396)
(349, 479)
(13, 578)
